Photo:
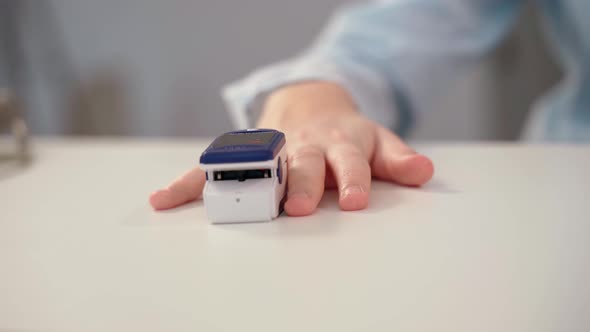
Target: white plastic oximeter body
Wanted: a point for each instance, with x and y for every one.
(246, 176)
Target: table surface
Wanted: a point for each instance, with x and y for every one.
(499, 240)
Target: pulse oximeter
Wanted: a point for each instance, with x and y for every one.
(246, 174)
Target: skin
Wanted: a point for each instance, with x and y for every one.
(330, 145)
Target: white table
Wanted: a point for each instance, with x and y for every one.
(498, 241)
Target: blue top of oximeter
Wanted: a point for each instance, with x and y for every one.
(244, 146)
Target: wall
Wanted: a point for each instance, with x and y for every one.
(152, 68)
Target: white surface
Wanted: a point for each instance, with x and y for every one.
(499, 241)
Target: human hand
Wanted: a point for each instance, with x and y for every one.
(329, 145)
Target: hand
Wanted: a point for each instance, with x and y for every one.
(329, 145)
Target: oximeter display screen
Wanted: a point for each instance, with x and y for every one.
(260, 138)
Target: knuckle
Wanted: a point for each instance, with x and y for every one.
(305, 152)
(302, 135)
(344, 152)
(354, 174)
(338, 135)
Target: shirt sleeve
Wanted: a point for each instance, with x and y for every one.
(389, 55)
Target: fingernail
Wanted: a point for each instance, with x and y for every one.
(354, 189)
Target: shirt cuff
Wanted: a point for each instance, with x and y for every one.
(372, 94)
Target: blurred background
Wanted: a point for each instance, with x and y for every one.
(155, 68)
